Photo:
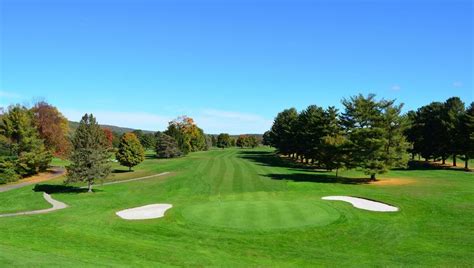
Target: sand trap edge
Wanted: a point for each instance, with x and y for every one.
(147, 212)
(362, 203)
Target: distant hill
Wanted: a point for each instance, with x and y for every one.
(120, 130)
(258, 136)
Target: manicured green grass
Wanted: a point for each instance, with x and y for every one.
(246, 208)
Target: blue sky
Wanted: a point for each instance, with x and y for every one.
(232, 65)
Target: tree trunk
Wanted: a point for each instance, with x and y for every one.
(89, 186)
(466, 163)
(412, 156)
(454, 160)
(337, 172)
(443, 160)
(372, 177)
(129, 168)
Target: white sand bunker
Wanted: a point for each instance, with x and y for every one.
(144, 213)
(363, 203)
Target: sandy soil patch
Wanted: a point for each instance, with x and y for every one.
(363, 203)
(145, 212)
(393, 181)
(41, 177)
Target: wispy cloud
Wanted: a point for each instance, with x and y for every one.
(9, 95)
(216, 121)
(395, 87)
(457, 84)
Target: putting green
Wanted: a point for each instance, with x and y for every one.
(261, 215)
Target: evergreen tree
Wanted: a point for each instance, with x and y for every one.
(413, 133)
(432, 139)
(148, 141)
(166, 146)
(27, 152)
(266, 139)
(466, 135)
(130, 152)
(214, 141)
(283, 132)
(374, 131)
(89, 157)
(333, 149)
(453, 111)
(310, 130)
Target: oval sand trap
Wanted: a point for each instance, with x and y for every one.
(363, 203)
(144, 213)
(265, 215)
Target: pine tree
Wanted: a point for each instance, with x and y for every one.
(309, 132)
(466, 135)
(130, 152)
(453, 111)
(166, 146)
(89, 157)
(27, 151)
(375, 134)
(333, 149)
(284, 132)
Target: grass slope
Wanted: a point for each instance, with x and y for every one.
(261, 212)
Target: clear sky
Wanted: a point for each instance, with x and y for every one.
(232, 65)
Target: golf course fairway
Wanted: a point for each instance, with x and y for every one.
(243, 207)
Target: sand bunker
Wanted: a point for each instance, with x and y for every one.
(363, 203)
(146, 212)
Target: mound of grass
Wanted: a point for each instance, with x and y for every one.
(261, 215)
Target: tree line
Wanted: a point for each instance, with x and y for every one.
(441, 130)
(372, 134)
(30, 137)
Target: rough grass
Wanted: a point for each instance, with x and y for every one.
(433, 228)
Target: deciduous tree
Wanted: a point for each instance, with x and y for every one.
(53, 128)
(130, 152)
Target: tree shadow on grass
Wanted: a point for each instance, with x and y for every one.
(266, 158)
(115, 171)
(423, 165)
(317, 178)
(60, 188)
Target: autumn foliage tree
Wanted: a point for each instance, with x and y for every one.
(188, 135)
(109, 137)
(53, 128)
(23, 151)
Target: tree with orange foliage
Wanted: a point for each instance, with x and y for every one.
(189, 136)
(53, 128)
(109, 137)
